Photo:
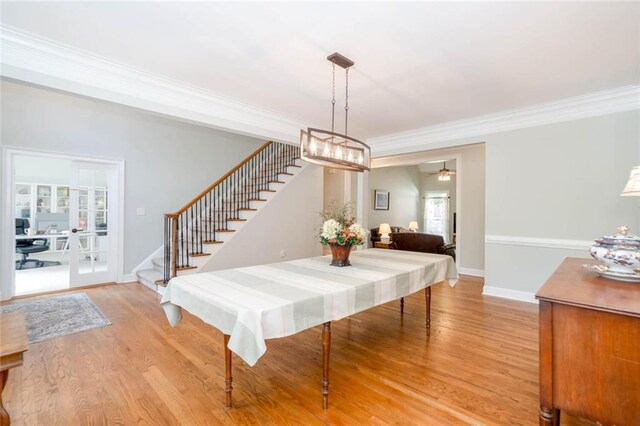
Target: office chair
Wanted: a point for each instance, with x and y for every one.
(28, 246)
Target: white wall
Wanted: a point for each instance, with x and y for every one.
(471, 211)
(167, 162)
(556, 182)
(290, 222)
(404, 186)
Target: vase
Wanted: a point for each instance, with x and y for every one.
(340, 255)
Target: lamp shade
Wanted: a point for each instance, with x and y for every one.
(632, 188)
(413, 225)
(384, 229)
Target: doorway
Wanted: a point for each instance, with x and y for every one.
(64, 225)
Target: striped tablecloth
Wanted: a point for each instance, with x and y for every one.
(280, 299)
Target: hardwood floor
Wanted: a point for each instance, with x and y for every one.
(480, 366)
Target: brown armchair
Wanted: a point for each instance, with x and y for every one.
(425, 243)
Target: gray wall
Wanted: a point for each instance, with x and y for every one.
(334, 187)
(559, 181)
(403, 184)
(167, 162)
(550, 191)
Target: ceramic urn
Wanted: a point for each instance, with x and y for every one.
(619, 252)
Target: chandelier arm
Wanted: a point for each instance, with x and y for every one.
(333, 100)
(346, 103)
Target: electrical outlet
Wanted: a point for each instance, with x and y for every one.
(283, 253)
(140, 211)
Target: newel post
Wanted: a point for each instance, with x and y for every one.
(170, 246)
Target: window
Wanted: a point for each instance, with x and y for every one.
(436, 214)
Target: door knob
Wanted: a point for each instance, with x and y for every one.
(74, 230)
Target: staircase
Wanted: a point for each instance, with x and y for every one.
(199, 229)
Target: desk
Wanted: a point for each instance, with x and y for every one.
(589, 347)
(65, 234)
(12, 347)
(250, 305)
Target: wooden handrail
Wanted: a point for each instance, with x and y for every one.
(216, 183)
(199, 222)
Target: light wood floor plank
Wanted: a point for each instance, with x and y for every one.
(479, 367)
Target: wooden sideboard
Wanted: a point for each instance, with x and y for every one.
(589, 347)
(13, 344)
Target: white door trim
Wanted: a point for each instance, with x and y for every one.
(7, 226)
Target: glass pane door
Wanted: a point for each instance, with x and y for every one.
(91, 244)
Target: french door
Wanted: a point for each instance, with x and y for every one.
(92, 240)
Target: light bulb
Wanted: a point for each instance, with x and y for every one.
(326, 150)
(350, 157)
(313, 146)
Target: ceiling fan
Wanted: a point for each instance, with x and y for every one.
(444, 174)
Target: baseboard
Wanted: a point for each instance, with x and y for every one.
(128, 278)
(505, 293)
(471, 271)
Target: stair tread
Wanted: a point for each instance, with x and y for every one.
(186, 268)
(225, 230)
(151, 274)
(212, 242)
(199, 254)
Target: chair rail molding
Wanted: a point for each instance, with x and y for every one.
(626, 98)
(37, 60)
(551, 243)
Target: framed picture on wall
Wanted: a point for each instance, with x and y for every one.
(380, 200)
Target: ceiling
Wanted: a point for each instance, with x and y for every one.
(416, 64)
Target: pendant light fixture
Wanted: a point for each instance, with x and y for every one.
(332, 149)
(444, 175)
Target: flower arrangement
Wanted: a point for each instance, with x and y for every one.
(340, 228)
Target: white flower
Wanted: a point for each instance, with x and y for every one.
(330, 229)
(357, 229)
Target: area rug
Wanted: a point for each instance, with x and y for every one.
(57, 316)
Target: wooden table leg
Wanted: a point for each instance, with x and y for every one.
(401, 305)
(5, 420)
(427, 296)
(227, 371)
(549, 416)
(326, 348)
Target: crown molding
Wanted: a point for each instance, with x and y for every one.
(34, 59)
(621, 99)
